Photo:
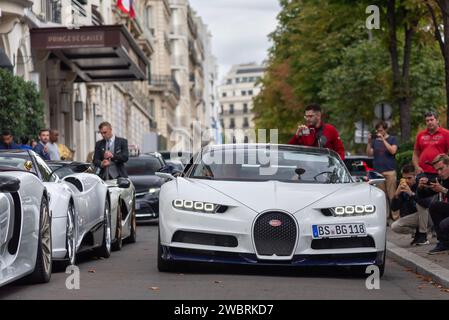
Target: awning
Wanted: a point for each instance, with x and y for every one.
(95, 53)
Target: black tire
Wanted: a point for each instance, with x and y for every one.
(163, 265)
(133, 233)
(118, 243)
(70, 259)
(105, 249)
(382, 265)
(43, 266)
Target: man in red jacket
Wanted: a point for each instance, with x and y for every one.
(316, 133)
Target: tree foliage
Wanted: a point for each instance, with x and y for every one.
(322, 52)
(21, 107)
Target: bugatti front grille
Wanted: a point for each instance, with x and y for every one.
(275, 233)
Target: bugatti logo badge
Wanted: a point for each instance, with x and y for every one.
(275, 223)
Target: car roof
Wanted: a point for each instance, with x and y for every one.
(16, 151)
(64, 162)
(240, 146)
(146, 155)
(358, 157)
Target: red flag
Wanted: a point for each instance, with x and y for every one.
(126, 6)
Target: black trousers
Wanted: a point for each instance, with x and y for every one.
(439, 211)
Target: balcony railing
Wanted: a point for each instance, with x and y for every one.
(177, 2)
(238, 112)
(168, 82)
(178, 61)
(178, 30)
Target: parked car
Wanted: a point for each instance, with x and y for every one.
(302, 208)
(79, 207)
(142, 172)
(178, 156)
(359, 166)
(120, 197)
(25, 225)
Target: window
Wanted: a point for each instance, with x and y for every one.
(231, 109)
(250, 92)
(252, 79)
(237, 80)
(221, 109)
(149, 19)
(243, 93)
(229, 81)
(222, 123)
(245, 108)
(245, 79)
(232, 123)
(223, 94)
(245, 123)
(151, 108)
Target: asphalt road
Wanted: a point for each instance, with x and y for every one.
(132, 274)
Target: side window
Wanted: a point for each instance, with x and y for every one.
(44, 170)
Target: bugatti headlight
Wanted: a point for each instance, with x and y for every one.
(353, 210)
(198, 206)
(154, 190)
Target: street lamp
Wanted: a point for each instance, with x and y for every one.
(65, 100)
(79, 112)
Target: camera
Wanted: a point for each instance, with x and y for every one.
(432, 180)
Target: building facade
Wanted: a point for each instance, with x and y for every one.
(94, 63)
(236, 95)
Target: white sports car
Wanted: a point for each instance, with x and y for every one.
(79, 206)
(120, 194)
(25, 227)
(262, 204)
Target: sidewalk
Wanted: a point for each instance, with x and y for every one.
(436, 267)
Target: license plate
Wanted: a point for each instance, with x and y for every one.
(338, 230)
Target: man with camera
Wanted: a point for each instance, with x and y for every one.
(316, 133)
(414, 214)
(383, 149)
(439, 208)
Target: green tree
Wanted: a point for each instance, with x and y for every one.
(21, 107)
(323, 52)
(307, 43)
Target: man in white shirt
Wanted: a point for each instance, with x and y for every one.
(53, 150)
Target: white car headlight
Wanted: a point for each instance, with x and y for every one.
(353, 210)
(198, 206)
(154, 190)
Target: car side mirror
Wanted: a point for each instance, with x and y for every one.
(375, 178)
(361, 179)
(123, 183)
(9, 184)
(171, 169)
(165, 175)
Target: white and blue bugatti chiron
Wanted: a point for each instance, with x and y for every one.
(266, 204)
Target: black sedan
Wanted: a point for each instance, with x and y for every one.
(141, 171)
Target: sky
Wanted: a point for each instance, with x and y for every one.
(239, 29)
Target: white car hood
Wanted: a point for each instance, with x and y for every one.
(264, 195)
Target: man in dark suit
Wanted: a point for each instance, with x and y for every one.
(42, 148)
(110, 154)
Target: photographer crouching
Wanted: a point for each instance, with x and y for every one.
(439, 208)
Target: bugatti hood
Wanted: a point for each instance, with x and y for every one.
(258, 196)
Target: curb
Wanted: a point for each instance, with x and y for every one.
(418, 264)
